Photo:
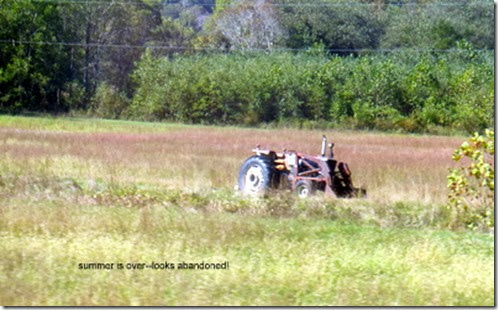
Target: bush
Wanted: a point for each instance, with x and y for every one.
(471, 187)
(108, 102)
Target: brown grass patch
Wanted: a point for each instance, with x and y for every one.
(391, 167)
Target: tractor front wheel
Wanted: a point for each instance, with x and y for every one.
(256, 175)
(305, 188)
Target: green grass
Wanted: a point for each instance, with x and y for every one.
(57, 211)
(86, 125)
(272, 261)
(95, 125)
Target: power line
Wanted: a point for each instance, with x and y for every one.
(79, 44)
(186, 48)
(288, 4)
(87, 2)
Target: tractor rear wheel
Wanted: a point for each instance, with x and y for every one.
(256, 175)
(305, 188)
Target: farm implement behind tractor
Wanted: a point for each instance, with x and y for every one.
(302, 173)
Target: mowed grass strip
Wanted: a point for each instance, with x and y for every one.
(83, 125)
(272, 261)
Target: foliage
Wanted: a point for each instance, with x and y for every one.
(434, 75)
(65, 47)
(404, 91)
(33, 77)
(108, 102)
(109, 33)
(471, 187)
(341, 27)
(438, 26)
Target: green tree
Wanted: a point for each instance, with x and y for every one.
(337, 25)
(61, 51)
(111, 34)
(33, 70)
(436, 25)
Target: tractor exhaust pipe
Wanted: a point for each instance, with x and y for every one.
(324, 145)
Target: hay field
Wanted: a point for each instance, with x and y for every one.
(79, 190)
(392, 167)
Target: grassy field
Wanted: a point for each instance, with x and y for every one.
(79, 191)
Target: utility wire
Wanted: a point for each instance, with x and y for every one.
(80, 44)
(289, 4)
(185, 48)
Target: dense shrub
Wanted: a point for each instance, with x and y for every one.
(472, 186)
(108, 102)
(399, 91)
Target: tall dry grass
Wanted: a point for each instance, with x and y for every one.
(391, 167)
(197, 167)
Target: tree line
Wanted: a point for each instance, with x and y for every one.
(367, 63)
(413, 92)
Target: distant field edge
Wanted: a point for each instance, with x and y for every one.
(87, 124)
